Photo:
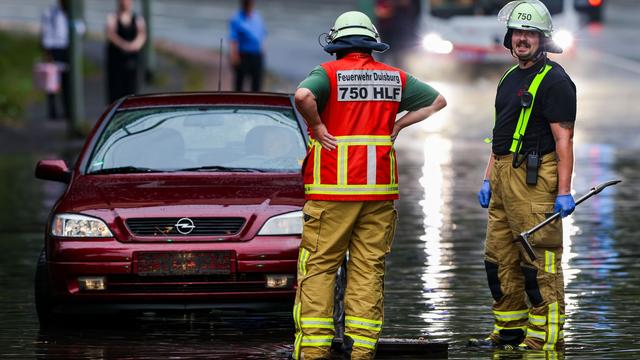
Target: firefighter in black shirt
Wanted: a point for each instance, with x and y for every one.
(528, 177)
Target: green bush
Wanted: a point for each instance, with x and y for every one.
(18, 53)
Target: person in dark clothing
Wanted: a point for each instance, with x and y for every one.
(126, 34)
(246, 34)
(398, 20)
(528, 177)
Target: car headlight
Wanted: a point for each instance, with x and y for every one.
(286, 224)
(74, 225)
(433, 42)
(563, 38)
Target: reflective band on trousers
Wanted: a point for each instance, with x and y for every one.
(317, 323)
(363, 341)
(302, 261)
(550, 262)
(296, 320)
(536, 334)
(317, 340)
(541, 334)
(553, 327)
(511, 315)
(525, 113)
(497, 328)
(538, 320)
(362, 323)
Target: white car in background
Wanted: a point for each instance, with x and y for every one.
(469, 31)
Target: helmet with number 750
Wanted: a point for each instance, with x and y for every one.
(530, 15)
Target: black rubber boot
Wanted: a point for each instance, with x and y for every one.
(486, 343)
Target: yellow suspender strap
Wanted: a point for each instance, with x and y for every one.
(525, 113)
(488, 140)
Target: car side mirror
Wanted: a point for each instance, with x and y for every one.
(55, 170)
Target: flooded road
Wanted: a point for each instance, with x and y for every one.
(435, 284)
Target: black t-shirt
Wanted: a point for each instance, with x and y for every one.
(555, 102)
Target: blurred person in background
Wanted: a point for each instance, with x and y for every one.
(246, 34)
(54, 36)
(398, 21)
(126, 35)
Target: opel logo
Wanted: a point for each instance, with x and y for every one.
(185, 226)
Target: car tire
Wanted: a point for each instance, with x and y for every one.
(42, 291)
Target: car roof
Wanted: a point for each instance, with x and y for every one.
(205, 98)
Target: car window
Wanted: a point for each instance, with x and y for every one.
(448, 8)
(170, 139)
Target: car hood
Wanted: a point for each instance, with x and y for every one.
(126, 191)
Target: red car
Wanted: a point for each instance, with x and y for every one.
(178, 201)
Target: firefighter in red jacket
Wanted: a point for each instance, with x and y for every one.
(351, 180)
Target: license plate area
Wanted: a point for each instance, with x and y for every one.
(184, 263)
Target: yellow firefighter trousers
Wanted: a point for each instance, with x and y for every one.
(516, 207)
(331, 228)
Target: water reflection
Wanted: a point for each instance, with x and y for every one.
(595, 249)
(436, 188)
(187, 336)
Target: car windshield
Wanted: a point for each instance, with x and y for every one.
(200, 139)
(449, 8)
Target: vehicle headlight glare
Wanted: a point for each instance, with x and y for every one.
(563, 38)
(286, 224)
(433, 42)
(74, 225)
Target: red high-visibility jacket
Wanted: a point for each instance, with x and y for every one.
(360, 112)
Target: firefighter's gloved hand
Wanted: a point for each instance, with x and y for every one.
(484, 195)
(564, 204)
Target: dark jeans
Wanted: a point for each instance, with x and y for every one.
(60, 56)
(251, 65)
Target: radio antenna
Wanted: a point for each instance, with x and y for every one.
(220, 68)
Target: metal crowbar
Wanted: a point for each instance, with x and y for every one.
(523, 238)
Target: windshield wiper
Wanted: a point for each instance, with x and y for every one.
(215, 168)
(124, 170)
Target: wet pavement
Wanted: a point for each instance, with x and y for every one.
(435, 284)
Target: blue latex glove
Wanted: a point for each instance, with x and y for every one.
(484, 195)
(564, 204)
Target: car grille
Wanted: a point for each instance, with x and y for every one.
(168, 226)
(186, 284)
